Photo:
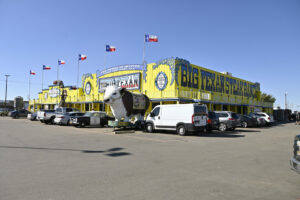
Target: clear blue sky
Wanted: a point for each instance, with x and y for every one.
(256, 40)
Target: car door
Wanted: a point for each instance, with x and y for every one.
(23, 113)
(95, 119)
(155, 117)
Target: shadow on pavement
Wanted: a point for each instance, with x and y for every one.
(221, 134)
(112, 152)
(247, 130)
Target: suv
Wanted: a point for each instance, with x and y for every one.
(228, 120)
(295, 160)
(19, 113)
(212, 121)
(268, 118)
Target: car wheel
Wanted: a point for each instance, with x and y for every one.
(244, 124)
(149, 128)
(222, 127)
(82, 124)
(52, 120)
(181, 130)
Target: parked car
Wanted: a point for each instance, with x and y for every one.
(50, 116)
(19, 113)
(183, 118)
(228, 120)
(64, 119)
(295, 159)
(268, 118)
(32, 116)
(212, 121)
(248, 121)
(260, 120)
(42, 113)
(92, 118)
(4, 111)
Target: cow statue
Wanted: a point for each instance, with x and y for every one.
(125, 104)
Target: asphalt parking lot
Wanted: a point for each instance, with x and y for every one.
(48, 162)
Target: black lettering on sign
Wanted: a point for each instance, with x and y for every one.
(222, 84)
(213, 87)
(208, 87)
(183, 76)
(202, 79)
(190, 73)
(195, 78)
(227, 86)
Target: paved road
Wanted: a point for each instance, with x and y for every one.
(46, 162)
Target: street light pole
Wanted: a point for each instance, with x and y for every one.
(6, 90)
(286, 104)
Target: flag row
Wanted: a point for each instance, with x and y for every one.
(108, 48)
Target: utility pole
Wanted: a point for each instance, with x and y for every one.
(285, 95)
(6, 91)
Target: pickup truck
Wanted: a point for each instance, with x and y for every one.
(50, 116)
(42, 113)
(93, 118)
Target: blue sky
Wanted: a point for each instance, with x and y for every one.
(256, 40)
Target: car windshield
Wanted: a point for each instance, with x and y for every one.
(234, 115)
(88, 114)
(200, 109)
(211, 114)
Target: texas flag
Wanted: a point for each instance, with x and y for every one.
(151, 38)
(110, 48)
(46, 67)
(32, 72)
(82, 57)
(61, 62)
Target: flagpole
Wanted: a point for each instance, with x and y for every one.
(143, 62)
(77, 73)
(144, 50)
(57, 70)
(43, 79)
(29, 86)
(105, 53)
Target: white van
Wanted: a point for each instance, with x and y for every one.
(180, 117)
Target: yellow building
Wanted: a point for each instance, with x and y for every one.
(167, 81)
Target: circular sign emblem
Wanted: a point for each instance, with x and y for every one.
(161, 81)
(46, 95)
(88, 88)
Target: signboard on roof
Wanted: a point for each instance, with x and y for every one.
(128, 81)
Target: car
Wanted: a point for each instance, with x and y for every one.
(228, 120)
(42, 113)
(212, 121)
(260, 120)
(50, 116)
(248, 121)
(91, 118)
(32, 116)
(19, 113)
(64, 119)
(295, 159)
(182, 118)
(268, 118)
(4, 111)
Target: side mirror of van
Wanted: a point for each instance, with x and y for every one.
(152, 115)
